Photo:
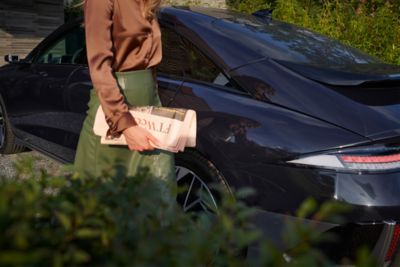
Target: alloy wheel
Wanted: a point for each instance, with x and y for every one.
(197, 196)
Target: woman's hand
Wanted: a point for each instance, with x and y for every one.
(139, 139)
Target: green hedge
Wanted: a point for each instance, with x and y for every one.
(372, 26)
(124, 221)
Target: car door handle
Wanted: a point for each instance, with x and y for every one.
(43, 74)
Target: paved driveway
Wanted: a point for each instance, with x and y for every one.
(40, 162)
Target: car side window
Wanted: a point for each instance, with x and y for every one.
(173, 54)
(69, 49)
(182, 58)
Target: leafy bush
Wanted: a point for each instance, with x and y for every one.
(73, 9)
(118, 221)
(248, 6)
(108, 221)
(372, 26)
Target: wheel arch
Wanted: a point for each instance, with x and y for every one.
(201, 153)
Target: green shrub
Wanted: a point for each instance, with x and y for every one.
(371, 26)
(108, 221)
(248, 6)
(72, 9)
(118, 221)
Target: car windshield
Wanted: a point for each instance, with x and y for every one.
(286, 42)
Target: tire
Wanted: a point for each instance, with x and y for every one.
(8, 143)
(192, 163)
(201, 180)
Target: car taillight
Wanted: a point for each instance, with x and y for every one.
(372, 158)
(393, 244)
(372, 162)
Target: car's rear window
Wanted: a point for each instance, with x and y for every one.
(286, 42)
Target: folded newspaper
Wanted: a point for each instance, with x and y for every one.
(174, 128)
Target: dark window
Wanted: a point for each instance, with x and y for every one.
(173, 54)
(69, 49)
(181, 58)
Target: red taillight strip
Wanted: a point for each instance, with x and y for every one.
(393, 243)
(371, 159)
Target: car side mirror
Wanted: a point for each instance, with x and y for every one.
(11, 58)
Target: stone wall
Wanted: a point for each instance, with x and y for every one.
(24, 23)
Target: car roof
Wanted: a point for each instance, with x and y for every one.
(216, 13)
(200, 25)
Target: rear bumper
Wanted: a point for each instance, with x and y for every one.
(281, 188)
(381, 238)
(369, 190)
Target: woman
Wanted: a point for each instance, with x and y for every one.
(123, 41)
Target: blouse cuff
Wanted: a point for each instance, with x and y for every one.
(125, 121)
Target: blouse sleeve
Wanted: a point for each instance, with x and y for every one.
(98, 23)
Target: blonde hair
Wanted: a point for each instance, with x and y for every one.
(150, 8)
(149, 11)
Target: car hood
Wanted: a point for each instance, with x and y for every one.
(362, 99)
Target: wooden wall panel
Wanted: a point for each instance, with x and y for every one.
(24, 23)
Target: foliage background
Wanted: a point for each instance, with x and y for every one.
(370, 25)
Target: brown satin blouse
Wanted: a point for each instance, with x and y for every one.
(118, 38)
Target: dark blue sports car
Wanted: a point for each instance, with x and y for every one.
(281, 109)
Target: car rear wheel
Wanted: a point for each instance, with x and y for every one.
(204, 185)
(202, 181)
(8, 143)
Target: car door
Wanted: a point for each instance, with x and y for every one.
(41, 119)
(169, 71)
(207, 89)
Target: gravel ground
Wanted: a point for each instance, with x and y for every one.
(40, 162)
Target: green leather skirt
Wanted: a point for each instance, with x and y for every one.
(94, 159)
